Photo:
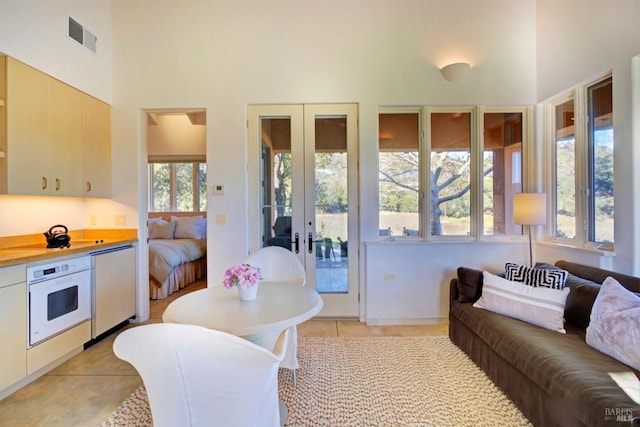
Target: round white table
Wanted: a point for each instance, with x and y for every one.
(277, 307)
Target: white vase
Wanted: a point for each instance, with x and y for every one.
(248, 293)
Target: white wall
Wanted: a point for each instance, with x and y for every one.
(224, 55)
(575, 42)
(35, 32)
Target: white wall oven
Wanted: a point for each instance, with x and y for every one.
(59, 297)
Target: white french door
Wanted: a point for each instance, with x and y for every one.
(303, 193)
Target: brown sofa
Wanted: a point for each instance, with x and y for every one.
(554, 379)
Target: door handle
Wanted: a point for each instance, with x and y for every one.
(296, 242)
(311, 242)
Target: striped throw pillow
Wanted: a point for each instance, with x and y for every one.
(539, 277)
(539, 306)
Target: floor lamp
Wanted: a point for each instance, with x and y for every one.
(530, 209)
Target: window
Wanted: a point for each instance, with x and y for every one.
(399, 173)
(458, 164)
(582, 177)
(600, 163)
(177, 187)
(450, 180)
(501, 171)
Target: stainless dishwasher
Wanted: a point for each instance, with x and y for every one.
(114, 287)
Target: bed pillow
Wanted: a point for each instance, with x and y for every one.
(161, 231)
(539, 306)
(544, 277)
(158, 220)
(613, 329)
(189, 227)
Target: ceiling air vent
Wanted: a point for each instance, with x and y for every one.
(82, 35)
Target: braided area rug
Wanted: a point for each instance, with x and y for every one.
(379, 381)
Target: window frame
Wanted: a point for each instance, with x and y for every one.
(173, 194)
(584, 172)
(476, 232)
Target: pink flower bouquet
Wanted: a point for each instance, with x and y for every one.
(241, 275)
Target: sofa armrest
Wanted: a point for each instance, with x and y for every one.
(454, 293)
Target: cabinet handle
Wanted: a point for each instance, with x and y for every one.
(88, 187)
(44, 182)
(57, 184)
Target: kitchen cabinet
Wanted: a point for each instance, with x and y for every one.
(65, 138)
(96, 147)
(43, 133)
(114, 293)
(13, 325)
(27, 139)
(58, 139)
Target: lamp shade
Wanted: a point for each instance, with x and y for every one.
(530, 208)
(455, 72)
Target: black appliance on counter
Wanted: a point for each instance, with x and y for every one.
(58, 237)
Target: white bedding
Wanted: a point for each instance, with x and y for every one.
(166, 254)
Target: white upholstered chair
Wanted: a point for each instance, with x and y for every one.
(196, 376)
(281, 265)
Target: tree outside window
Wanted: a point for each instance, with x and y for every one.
(177, 187)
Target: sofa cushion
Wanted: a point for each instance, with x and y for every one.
(554, 278)
(599, 275)
(615, 320)
(562, 365)
(583, 293)
(469, 284)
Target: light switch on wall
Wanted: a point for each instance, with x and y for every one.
(221, 219)
(218, 190)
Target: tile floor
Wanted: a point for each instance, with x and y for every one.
(86, 389)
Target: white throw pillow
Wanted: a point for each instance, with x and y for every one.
(189, 227)
(161, 231)
(614, 328)
(539, 306)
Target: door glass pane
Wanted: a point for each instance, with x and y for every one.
(502, 172)
(565, 167)
(277, 185)
(399, 174)
(450, 174)
(331, 204)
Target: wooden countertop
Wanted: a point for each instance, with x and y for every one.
(23, 249)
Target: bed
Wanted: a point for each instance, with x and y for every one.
(177, 251)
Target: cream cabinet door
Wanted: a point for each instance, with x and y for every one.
(96, 147)
(44, 132)
(114, 289)
(13, 325)
(27, 153)
(65, 139)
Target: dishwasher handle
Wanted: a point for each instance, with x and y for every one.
(111, 249)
